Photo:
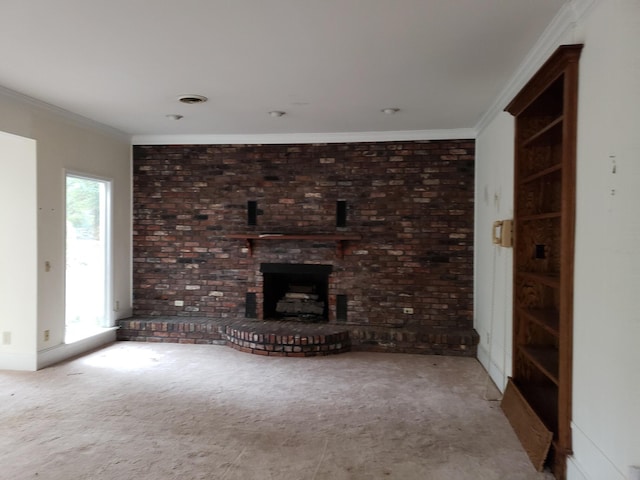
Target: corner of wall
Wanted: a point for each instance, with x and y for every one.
(18, 361)
(588, 462)
(495, 371)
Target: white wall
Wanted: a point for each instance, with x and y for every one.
(65, 141)
(494, 201)
(606, 386)
(18, 244)
(606, 411)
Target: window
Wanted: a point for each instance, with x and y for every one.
(88, 252)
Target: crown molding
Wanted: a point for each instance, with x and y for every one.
(74, 118)
(290, 138)
(552, 37)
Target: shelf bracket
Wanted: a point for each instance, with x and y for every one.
(341, 246)
(249, 244)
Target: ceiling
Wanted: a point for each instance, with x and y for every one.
(331, 65)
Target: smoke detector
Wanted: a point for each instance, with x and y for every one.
(192, 99)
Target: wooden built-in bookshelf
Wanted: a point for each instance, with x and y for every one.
(545, 114)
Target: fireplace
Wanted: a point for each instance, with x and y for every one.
(296, 291)
(395, 219)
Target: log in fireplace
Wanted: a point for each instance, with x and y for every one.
(296, 291)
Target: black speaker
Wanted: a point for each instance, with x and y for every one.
(252, 212)
(341, 213)
(341, 308)
(250, 310)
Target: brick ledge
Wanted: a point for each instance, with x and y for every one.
(273, 338)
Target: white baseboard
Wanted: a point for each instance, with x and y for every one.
(65, 351)
(495, 372)
(124, 313)
(18, 361)
(588, 462)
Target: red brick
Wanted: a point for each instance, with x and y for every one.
(416, 235)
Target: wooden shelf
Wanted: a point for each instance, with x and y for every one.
(539, 216)
(549, 279)
(531, 429)
(543, 398)
(546, 134)
(340, 239)
(545, 358)
(542, 173)
(547, 318)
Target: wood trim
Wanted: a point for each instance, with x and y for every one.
(569, 146)
(545, 76)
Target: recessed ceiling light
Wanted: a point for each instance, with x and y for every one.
(191, 99)
(174, 116)
(276, 113)
(390, 111)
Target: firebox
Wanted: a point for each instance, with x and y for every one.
(296, 291)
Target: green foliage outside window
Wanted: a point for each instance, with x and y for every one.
(83, 207)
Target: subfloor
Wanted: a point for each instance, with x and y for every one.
(170, 411)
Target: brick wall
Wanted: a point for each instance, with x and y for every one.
(411, 202)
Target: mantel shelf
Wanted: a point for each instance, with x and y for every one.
(340, 239)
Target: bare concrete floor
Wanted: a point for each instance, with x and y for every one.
(168, 411)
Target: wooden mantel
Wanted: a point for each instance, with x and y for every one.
(340, 239)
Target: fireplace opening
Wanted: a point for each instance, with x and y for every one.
(296, 291)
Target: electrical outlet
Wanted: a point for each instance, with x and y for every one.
(6, 338)
(179, 303)
(46, 335)
(407, 310)
(116, 306)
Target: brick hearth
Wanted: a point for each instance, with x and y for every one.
(287, 339)
(281, 339)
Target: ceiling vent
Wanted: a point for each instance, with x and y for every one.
(192, 99)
